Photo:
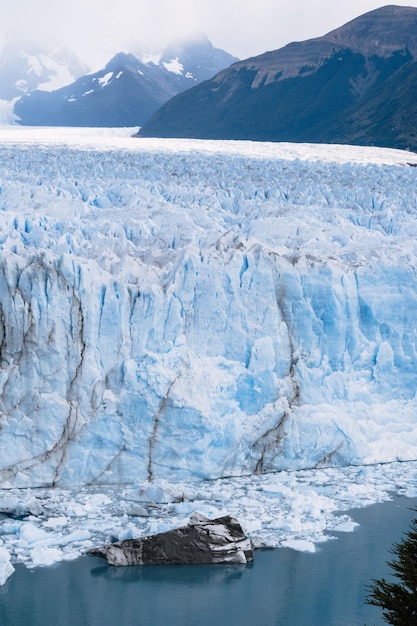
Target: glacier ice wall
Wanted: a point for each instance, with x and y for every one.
(197, 313)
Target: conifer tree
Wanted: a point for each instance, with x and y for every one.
(398, 599)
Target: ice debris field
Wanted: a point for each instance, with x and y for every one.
(297, 509)
(177, 312)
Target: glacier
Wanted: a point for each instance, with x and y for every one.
(220, 326)
(190, 310)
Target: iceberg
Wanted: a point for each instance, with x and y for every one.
(188, 310)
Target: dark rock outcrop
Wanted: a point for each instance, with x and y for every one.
(221, 540)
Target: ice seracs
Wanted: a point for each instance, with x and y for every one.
(192, 310)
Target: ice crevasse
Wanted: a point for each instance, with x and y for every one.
(201, 312)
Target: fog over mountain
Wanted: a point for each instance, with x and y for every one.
(97, 31)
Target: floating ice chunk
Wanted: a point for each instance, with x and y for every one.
(10, 527)
(56, 522)
(75, 509)
(156, 494)
(43, 555)
(77, 536)
(71, 555)
(150, 492)
(187, 509)
(410, 492)
(345, 526)
(302, 545)
(292, 523)
(31, 534)
(263, 542)
(129, 531)
(136, 510)
(21, 506)
(6, 568)
(251, 525)
(98, 500)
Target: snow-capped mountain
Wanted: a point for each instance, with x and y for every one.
(194, 59)
(25, 67)
(124, 93)
(354, 85)
(127, 91)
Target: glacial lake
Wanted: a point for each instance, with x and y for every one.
(281, 588)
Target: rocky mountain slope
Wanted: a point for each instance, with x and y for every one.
(354, 85)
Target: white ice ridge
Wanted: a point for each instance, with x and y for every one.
(297, 509)
(185, 310)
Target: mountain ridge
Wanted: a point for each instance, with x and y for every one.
(127, 91)
(292, 93)
(27, 66)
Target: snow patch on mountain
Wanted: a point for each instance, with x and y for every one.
(104, 80)
(25, 66)
(59, 75)
(174, 66)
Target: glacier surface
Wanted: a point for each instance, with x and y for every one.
(186, 310)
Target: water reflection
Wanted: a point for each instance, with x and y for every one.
(173, 574)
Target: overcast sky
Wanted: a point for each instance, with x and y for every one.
(97, 29)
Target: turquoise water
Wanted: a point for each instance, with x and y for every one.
(281, 588)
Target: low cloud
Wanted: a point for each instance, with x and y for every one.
(97, 29)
